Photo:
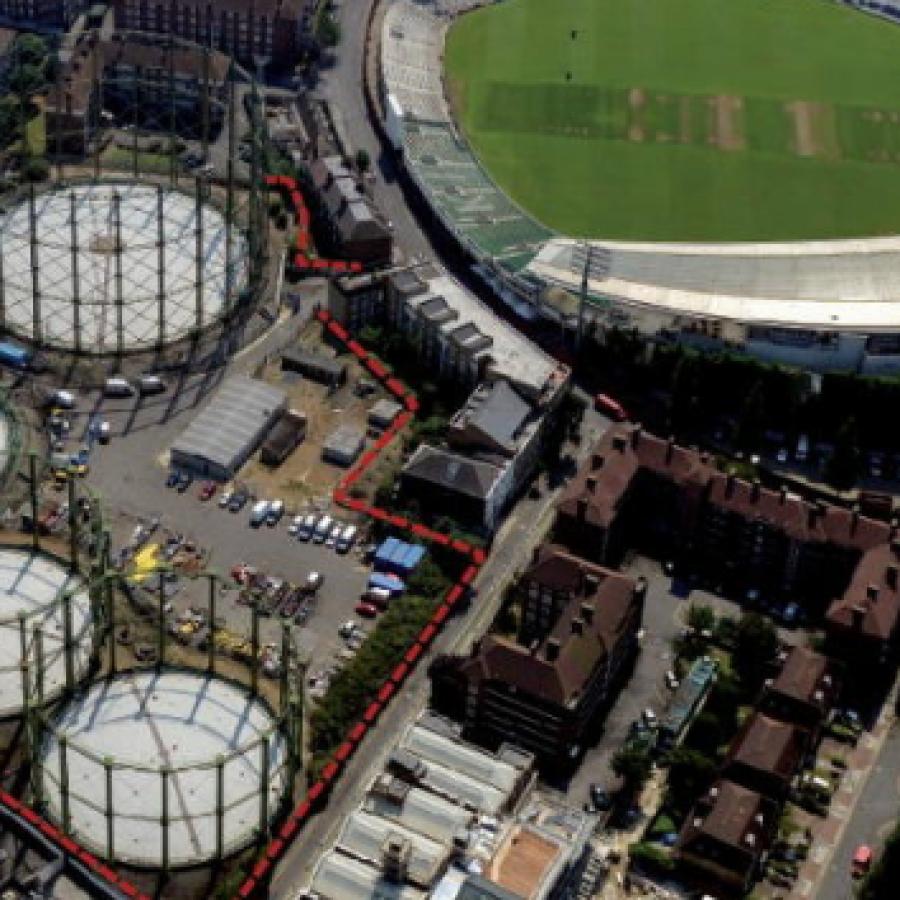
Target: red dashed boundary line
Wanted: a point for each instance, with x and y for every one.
(301, 259)
(476, 557)
(69, 847)
(316, 794)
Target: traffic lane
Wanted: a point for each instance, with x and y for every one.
(876, 812)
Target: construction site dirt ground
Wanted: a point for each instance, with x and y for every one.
(304, 479)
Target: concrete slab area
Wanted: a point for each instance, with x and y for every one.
(33, 585)
(143, 724)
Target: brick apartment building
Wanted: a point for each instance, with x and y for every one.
(252, 31)
(804, 690)
(579, 629)
(727, 835)
(43, 13)
(638, 490)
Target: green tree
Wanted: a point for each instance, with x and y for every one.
(690, 774)
(707, 733)
(843, 467)
(26, 80)
(30, 50)
(756, 643)
(752, 421)
(701, 617)
(633, 765)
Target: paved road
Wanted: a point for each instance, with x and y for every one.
(877, 810)
(509, 554)
(341, 87)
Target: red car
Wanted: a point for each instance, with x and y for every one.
(366, 610)
(862, 861)
(209, 488)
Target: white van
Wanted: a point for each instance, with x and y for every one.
(323, 526)
(259, 512)
(346, 540)
(151, 384)
(118, 387)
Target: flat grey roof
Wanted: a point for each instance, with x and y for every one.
(234, 419)
(422, 811)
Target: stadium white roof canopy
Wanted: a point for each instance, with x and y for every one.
(840, 285)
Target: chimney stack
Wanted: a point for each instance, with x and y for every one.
(591, 583)
(552, 650)
(754, 491)
(782, 494)
(596, 461)
(872, 593)
(636, 436)
(620, 443)
(729, 484)
(587, 612)
(812, 514)
(577, 626)
(895, 548)
(670, 449)
(582, 509)
(591, 483)
(859, 615)
(535, 554)
(854, 520)
(890, 577)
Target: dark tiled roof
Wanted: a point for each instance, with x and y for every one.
(803, 675)
(580, 645)
(731, 815)
(767, 745)
(598, 490)
(448, 470)
(873, 598)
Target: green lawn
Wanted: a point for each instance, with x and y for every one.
(685, 119)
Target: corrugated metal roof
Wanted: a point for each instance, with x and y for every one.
(338, 877)
(464, 758)
(232, 421)
(364, 835)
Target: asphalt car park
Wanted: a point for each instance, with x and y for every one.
(130, 474)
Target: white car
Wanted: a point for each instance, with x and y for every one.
(336, 531)
(649, 718)
(225, 498)
(347, 629)
(296, 525)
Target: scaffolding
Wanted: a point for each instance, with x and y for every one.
(153, 226)
(245, 779)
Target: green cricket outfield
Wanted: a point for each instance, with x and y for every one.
(697, 120)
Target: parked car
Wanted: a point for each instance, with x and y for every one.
(207, 490)
(306, 527)
(313, 582)
(649, 717)
(347, 539)
(118, 387)
(862, 861)
(322, 529)
(62, 399)
(258, 513)
(225, 498)
(238, 499)
(274, 513)
(104, 430)
(334, 535)
(185, 480)
(600, 798)
(367, 610)
(347, 629)
(151, 384)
